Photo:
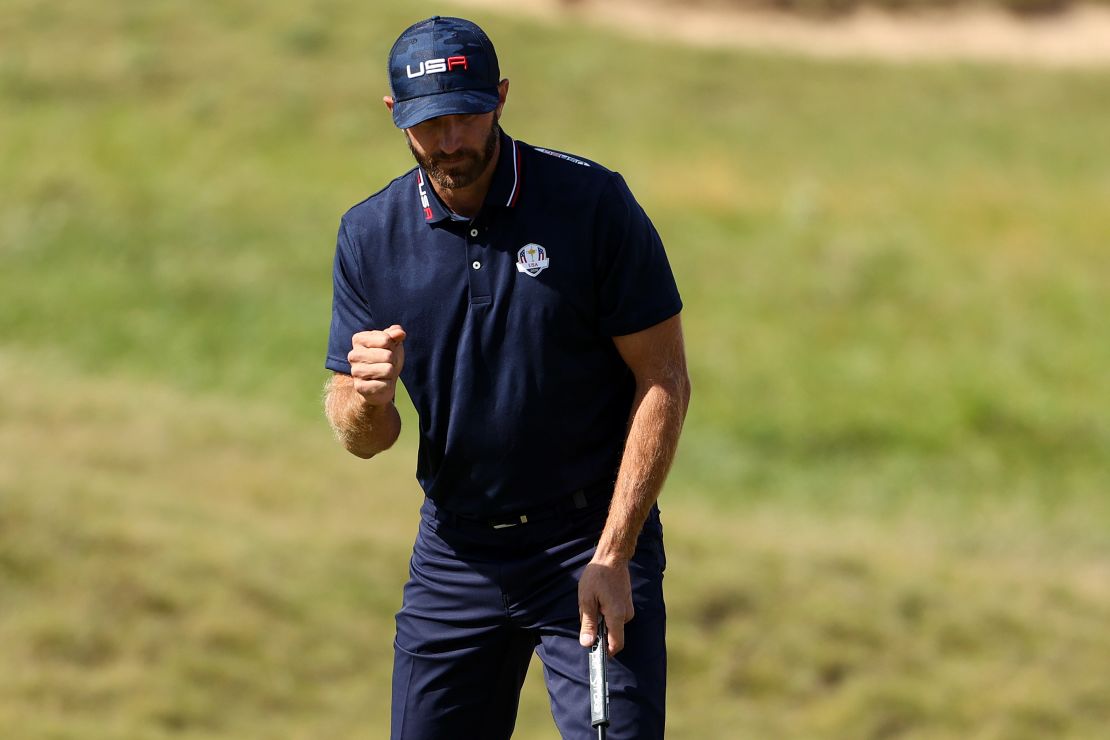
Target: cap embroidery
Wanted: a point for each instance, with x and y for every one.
(434, 66)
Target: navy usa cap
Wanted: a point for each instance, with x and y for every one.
(442, 66)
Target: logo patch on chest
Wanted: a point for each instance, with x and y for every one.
(532, 259)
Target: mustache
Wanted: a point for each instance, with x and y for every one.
(459, 156)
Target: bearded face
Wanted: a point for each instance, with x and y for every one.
(461, 167)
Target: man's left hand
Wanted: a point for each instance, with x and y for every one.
(605, 588)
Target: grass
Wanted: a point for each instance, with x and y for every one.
(172, 569)
(888, 516)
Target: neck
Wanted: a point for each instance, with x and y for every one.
(468, 201)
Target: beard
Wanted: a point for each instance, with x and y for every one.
(463, 167)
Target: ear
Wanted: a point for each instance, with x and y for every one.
(502, 95)
(388, 100)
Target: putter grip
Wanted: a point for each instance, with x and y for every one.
(599, 682)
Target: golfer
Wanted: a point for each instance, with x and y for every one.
(525, 301)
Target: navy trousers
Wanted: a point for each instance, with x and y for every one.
(481, 600)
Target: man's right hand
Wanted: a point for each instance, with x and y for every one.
(376, 359)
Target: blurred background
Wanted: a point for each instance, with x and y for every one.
(889, 516)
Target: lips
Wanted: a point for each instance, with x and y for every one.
(455, 159)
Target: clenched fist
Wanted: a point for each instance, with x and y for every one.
(376, 359)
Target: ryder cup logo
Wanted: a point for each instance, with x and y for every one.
(532, 259)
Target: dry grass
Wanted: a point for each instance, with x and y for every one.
(184, 567)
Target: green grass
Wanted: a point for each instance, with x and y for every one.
(888, 517)
(174, 567)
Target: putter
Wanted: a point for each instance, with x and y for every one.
(599, 681)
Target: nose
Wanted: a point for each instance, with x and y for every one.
(451, 134)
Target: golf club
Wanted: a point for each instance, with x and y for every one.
(599, 682)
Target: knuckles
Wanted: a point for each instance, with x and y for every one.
(373, 340)
(370, 339)
(373, 355)
(374, 371)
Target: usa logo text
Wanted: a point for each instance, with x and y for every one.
(434, 66)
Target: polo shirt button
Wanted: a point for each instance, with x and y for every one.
(476, 264)
(474, 232)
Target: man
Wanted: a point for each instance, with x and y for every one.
(525, 301)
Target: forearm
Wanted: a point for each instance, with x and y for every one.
(363, 429)
(656, 423)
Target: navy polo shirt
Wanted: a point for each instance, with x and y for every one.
(509, 358)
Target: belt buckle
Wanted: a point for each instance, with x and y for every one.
(506, 525)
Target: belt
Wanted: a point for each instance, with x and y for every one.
(583, 498)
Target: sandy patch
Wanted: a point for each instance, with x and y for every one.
(1077, 38)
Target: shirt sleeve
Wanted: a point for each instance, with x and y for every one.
(350, 311)
(636, 288)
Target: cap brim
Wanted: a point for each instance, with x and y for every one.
(408, 113)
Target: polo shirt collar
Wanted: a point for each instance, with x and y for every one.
(504, 187)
